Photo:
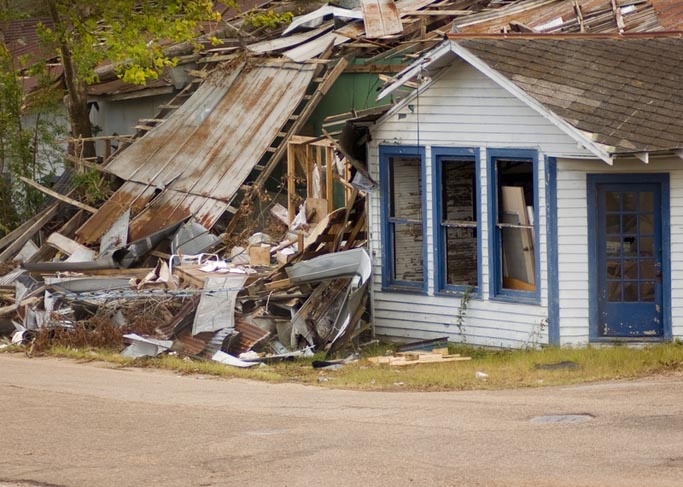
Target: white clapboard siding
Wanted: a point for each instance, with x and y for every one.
(572, 221)
(463, 108)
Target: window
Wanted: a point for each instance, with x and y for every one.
(514, 214)
(456, 219)
(402, 205)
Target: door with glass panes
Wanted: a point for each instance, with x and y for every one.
(629, 263)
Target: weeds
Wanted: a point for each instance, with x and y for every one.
(505, 369)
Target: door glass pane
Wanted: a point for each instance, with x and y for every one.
(647, 269)
(647, 246)
(630, 291)
(630, 222)
(613, 269)
(630, 269)
(612, 201)
(647, 201)
(613, 246)
(613, 223)
(646, 224)
(614, 291)
(630, 201)
(630, 246)
(647, 291)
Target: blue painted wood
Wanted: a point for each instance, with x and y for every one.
(552, 245)
(387, 244)
(614, 312)
(496, 290)
(439, 247)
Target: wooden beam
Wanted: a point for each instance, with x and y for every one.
(58, 196)
(375, 68)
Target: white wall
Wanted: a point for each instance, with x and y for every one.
(122, 116)
(463, 108)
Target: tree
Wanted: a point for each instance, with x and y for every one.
(130, 34)
(28, 129)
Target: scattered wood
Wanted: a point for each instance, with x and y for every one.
(417, 357)
(59, 196)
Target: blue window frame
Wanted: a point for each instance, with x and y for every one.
(403, 214)
(513, 225)
(457, 216)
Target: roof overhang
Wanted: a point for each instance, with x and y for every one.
(443, 55)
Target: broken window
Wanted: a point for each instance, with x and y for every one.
(458, 243)
(514, 230)
(404, 261)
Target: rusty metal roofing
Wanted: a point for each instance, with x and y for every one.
(556, 16)
(195, 161)
(249, 335)
(669, 13)
(622, 92)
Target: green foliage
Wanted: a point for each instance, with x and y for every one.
(129, 33)
(267, 18)
(93, 187)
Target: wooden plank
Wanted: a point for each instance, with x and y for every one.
(59, 196)
(80, 253)
(29, 232)
(381, 18)
(20, 230)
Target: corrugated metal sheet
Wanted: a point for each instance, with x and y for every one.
(249, 335)
(381, 18)
(197, 159)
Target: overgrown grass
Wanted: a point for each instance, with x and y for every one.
(504, 369)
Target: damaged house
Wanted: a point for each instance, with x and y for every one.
(530, 192)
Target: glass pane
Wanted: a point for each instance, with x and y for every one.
(612, 201)
(646, 224)
(518, 259)
(461, 256)
(630, 291)
(408, 265)
(647, 269)
(647, 291)
(406, 188)
(613, 269)
(613, 246)
(630, 246)
(647, 246)
(458, 191)
(630, 201)
(647, 201)
(614, 291)
(613, 223)
(515, 189)
(630, 269)
(630, 222)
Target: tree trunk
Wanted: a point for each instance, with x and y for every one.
(77, 98)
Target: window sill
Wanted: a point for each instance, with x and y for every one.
(458, 293)
(394, 288)
(504, 298)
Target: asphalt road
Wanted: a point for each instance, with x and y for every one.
(69, 424)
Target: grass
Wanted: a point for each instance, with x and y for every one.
(505, 369)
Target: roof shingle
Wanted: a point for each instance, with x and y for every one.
(625, 91)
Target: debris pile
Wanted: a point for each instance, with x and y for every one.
(240, 310)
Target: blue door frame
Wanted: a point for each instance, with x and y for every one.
(629, 256)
